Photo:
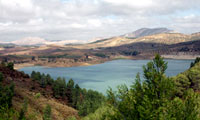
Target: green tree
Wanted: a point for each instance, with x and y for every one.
(43, 81)
(182, 83)
(70, 84)
(195, 62)
(70, 91)
(7, 113)
(76, 95)
(6, 95)
(59, 87)
(194, 77)
(47, 113)
(90, 102)
(49, 80)
(33, 74)
(36, 76)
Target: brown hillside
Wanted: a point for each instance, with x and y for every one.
(25, 88)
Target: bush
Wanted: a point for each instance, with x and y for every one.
(10, 65)
(23, 110)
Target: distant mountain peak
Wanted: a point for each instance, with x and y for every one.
(30, 41)
(40, 41)
(147, 31)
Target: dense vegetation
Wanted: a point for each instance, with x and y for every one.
(61, 56)
(6, 95)
(102, 55)
(130, 53)
(157, 97)
(86, 101)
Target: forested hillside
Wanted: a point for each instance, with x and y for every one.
(24, 97)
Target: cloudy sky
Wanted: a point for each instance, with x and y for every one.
(88, 19)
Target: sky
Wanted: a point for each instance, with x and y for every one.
(84, 20)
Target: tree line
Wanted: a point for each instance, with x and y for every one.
(85, 101)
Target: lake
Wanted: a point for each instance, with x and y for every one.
(109, 74)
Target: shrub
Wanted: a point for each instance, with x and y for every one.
(10, 65)
(71, 118)
(47, 113)
(37, 95)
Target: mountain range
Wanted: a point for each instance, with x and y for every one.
(157, 35)
(145, 42)
(145, 35)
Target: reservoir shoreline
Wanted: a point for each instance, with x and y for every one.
(78, 64)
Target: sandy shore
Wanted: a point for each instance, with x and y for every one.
(183, 57)
(19, 66)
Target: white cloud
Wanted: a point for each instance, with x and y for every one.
(87, 19)
(133, 3)
(17, 4)
(76, 25)
(95, 22)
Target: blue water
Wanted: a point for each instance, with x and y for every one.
(110, 74)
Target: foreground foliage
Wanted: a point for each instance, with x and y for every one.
(6, 95)
(157, 97)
